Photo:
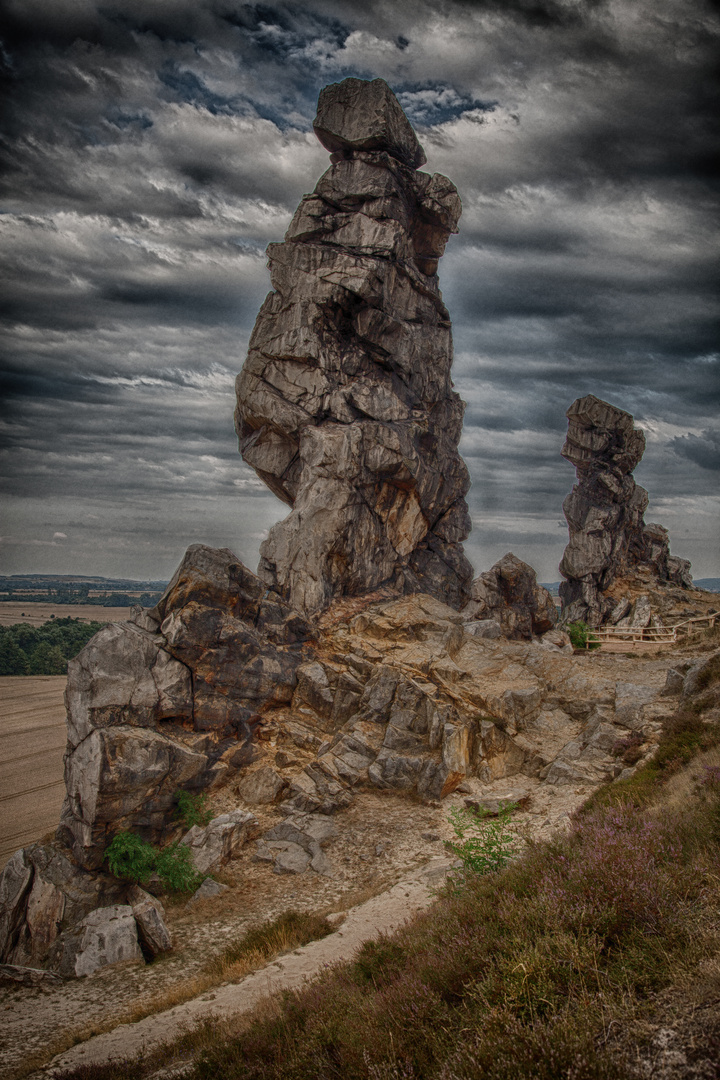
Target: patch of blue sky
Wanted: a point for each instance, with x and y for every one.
(429, 104)
(188, 87)
(283, 30)
(124, 121)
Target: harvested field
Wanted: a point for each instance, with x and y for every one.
(14, 611)
(32, 742)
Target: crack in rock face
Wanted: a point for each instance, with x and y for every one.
(345, 406)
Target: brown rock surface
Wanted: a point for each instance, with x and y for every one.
(345, 402)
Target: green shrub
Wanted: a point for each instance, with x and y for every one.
(133, 859)
(581, 636)
(175, 869)
(484, 846)
(130, 857)
(192, 809)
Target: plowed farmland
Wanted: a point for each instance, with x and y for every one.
(32, 742)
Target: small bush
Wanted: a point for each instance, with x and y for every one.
(581, 636)
(192, 809)
(131, 858)
(484, 846)
(175, 868)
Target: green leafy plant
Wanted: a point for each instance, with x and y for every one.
(484, 844)
(130, 857)
(133, 859)
(581, 636)
(175, 869)
(192, 809)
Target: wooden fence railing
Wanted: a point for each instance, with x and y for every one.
(662, 635)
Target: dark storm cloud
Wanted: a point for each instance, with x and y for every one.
(703, 449)
(151, 151)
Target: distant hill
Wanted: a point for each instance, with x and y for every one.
(710, 584)
(76, 589)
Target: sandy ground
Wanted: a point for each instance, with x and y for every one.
(32, 743)
(15, 611)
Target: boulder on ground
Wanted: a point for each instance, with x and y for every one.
(263, 785)
(211, 847)
(106, 936)
(207, 891)
(155, 938)
(509, 595)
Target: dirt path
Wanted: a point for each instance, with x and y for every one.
(381, 914)
(32, 743)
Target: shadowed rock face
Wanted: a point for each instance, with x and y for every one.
(604, 512)
(509, 598)
(345, 402)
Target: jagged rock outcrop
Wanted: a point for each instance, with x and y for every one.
(345, 402)
(413, 703)
(507, 600)
(43, 896)
(172, 699)
(604, 511)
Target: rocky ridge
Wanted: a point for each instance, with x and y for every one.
(396, 697)
(345, 406)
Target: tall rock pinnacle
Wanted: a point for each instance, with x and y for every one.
(345, 403)
(604, 511)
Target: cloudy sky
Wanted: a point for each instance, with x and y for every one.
(151, 150)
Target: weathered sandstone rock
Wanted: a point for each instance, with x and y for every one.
(43, 896)
(508, 597)
(172, 699)
(153, 933)
(264, 785)
(357, 115)
(211, 847)
(608, 535)
(107, 936)
(345, 402)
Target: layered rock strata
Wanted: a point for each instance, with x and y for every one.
(345, 402)
(604, 511)
(172, 699)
